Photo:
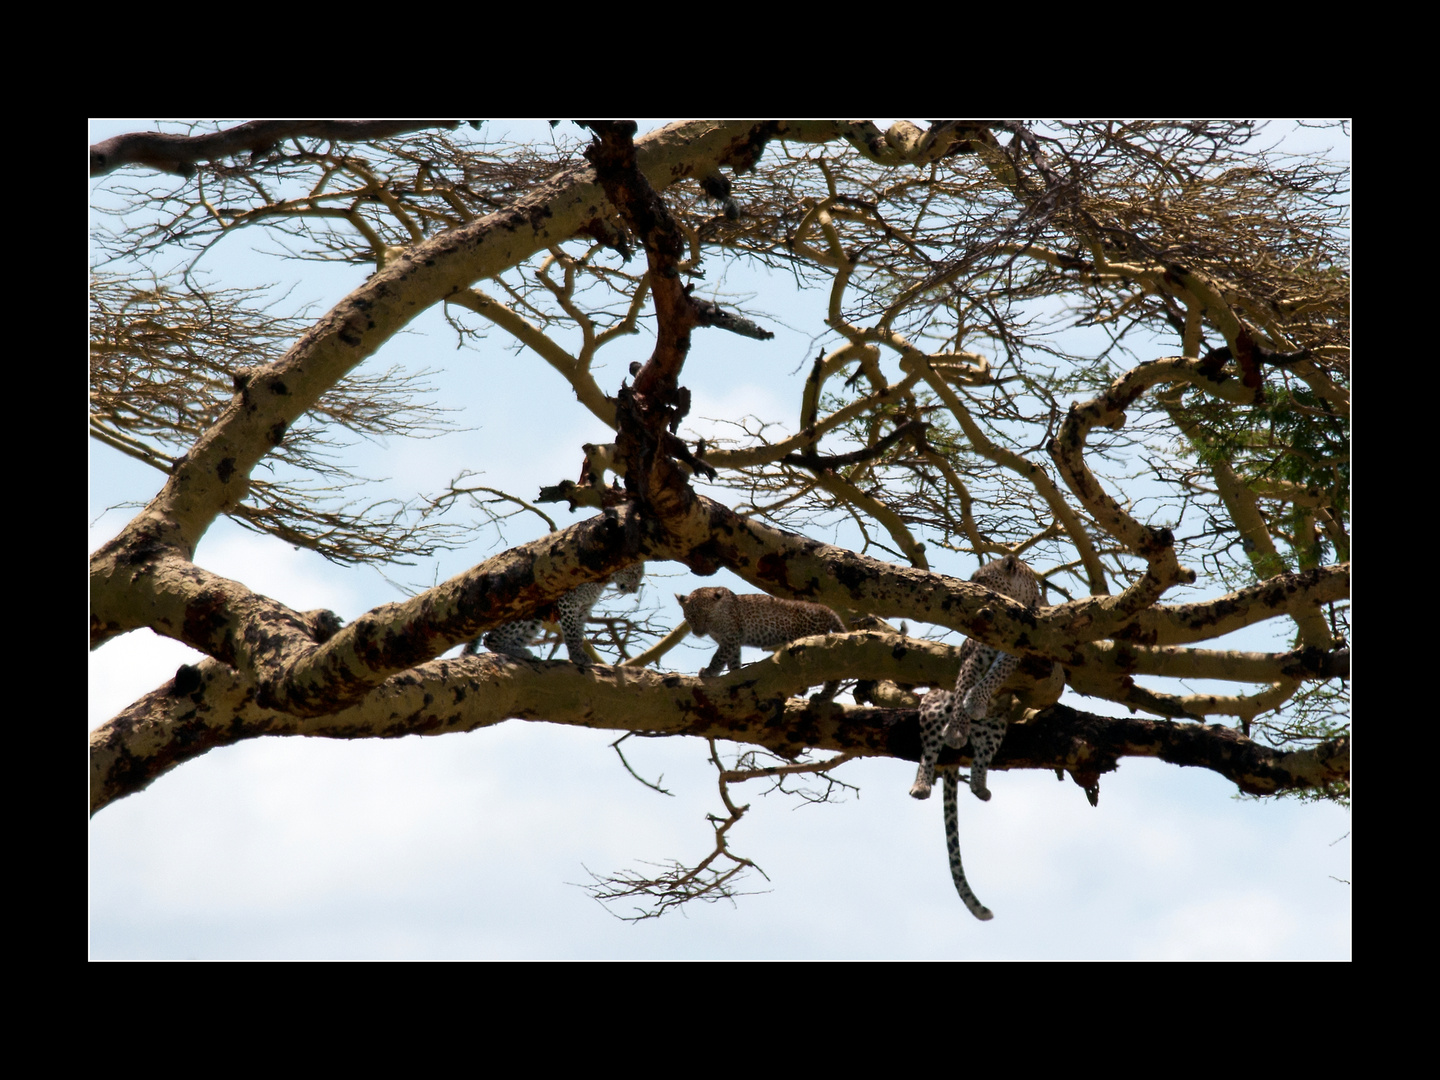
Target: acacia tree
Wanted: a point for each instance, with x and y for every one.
(1177, 472)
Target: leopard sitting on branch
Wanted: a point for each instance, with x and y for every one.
(572, 609)
(755, 619)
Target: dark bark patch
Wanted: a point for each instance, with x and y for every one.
(705, 559)
(775, 567)
(206, 618)
(851, 577)
(187, 681)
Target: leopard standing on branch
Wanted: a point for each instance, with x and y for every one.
(952, 719)
(573, 609)
(755, 619)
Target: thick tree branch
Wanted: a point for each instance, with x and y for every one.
(208, 705)
(220, 617)
(179, 153)
(1232, 665)
(393, 638)
(1179, 624)
(649, 412)
(1088, 745)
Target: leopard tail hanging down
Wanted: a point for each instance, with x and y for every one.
(952, 841)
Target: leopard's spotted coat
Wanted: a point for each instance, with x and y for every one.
(952, 719)
(755, 619)
(572, 609)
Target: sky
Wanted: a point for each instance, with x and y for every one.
(473, 846)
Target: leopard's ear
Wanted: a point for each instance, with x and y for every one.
(1011, 564)
(680, 598)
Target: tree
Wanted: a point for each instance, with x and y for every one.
(1186, 288)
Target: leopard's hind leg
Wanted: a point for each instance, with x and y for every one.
(935, 719)
(511, 639)
(985, 738)
(974, 703)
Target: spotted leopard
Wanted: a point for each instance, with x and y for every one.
(756, 619)
(573, 609)
(953, 719)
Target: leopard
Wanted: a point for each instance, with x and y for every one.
(573, 609)
(756, 619)
(952, 719)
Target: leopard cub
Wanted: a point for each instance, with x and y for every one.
(755, 619)
(570, 611)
